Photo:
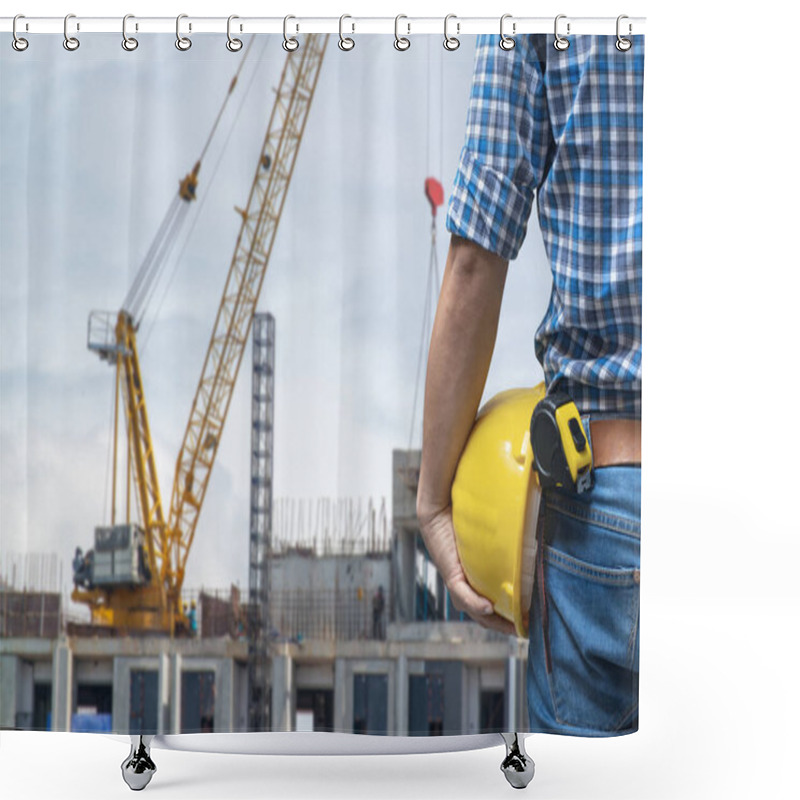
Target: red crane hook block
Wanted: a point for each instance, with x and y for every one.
(434, 193)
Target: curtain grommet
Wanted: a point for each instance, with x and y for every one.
(233, 45)
(560, 42)
(129, 43)
(401, 43)
(183, 43)
(71, 43)
(507, 42)
(346, 43)
(17, 42)
(290, 43)
(451, 43)
(623, 44)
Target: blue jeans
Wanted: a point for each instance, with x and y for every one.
(583, 653)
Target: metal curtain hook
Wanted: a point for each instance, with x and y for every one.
(234, 45)
(290, 44)
(560, 43)
(401, 42)
(345, 42)
(18, 43)
(451, 42)
(128, 42)
(70, 42)
(507, 42)
(183, 43)
(623, 45)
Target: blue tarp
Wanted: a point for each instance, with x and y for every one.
(91, 723)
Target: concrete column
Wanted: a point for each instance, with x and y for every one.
(282, 692)
(62, 686)
(405, 575)
(472, 699)
(511, 695)
(8, 691)
(401, 695)
(163, 692)
(175, 693)
(121, 699)
(223, 713)
(341, 693)
(391, 691)
(240, 697)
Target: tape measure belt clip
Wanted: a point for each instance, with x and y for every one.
(561, 450)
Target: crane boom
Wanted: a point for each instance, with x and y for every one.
(232, 326)
(168, 543)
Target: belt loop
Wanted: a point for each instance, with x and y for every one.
(586, 421)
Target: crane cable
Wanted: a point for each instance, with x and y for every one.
(204, 197)
(433, 285)
(141, 291)
(431, 292)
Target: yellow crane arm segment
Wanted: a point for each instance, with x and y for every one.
(115, 602)
(234, 317)
(140, 443)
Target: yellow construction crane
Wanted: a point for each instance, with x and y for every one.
(132, 579)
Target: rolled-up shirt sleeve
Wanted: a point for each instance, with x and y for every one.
(506, 150)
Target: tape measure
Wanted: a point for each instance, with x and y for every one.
(561, 451)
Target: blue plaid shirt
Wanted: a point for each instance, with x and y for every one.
(565, 128)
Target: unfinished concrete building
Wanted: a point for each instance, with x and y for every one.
(362, 638)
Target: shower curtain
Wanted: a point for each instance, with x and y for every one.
(208, 498)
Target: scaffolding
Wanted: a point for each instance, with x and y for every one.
(331, 527)
(31, 595)
(328, 614)
(258, 628)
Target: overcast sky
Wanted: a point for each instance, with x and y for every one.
(93, 146)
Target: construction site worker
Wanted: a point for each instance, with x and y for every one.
(563, 129)
(378, 606)
(193, 618)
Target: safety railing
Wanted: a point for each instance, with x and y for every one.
(29, 614)
(298, 614)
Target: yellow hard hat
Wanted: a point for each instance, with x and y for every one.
(495, 497)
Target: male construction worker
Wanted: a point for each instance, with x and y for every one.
(563, 129)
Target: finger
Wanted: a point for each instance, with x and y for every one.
(479, 608)
(498, 623)
(465, 598)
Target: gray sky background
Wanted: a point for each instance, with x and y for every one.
(93, 146)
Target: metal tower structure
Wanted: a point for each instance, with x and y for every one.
(263, 408)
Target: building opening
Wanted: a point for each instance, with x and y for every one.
(370, 704)
(493, 711)
(42, 706)
(314, 710)
(426, 705)
(143, 715)
(197, 702)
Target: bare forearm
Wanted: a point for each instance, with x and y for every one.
(461, 349)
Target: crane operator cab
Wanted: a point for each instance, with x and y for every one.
(118, 558)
